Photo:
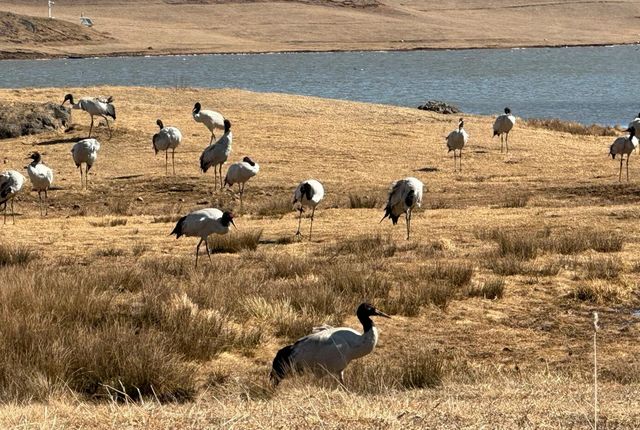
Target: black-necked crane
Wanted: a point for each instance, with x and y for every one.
(211, 119)
(308, 194)
(85, 152)
(456, 141)
(11, 183)
(41, 178)
(239, 173)
(404, 196)
(217, 154)
(164, 140)
(203, 223)
(94, 106)
(328, 350)
(502, 126)
(624, 145)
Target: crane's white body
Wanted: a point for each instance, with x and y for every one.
(203, 223)
(502, 126)
(309, 200)
(635, 123)
(622, 146)
(211, 119)
(168, 138)
(328, 349)
(216, 155)
(41, 178)
(11, 183)
(95, 106)
(308, 194)
(239, 173)
(332, 349)
(456, 140)
(85, 152)
(404, 196)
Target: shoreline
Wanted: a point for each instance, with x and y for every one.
(6, 55)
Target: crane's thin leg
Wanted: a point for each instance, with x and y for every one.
(341, 379)
(40, 201)
(86, 177)
(198, 251)
(299, 222)
(215, 178)
(13, 212)
(620, 173)
(501, 144)
(91, 127)
(506, 142)
(461, 160)
(81, 183)
(408, 219)
(173, 160)
(206, 244)
(4, 211)
(108, 126)
(221, 178)
(166, 162)
(628, 167)
(46, 207)
(313, 211)
(455, 166)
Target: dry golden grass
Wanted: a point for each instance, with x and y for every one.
(140, 26)
(491, 305)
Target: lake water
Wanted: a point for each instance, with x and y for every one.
(589, 84)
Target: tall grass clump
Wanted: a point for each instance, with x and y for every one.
(235, 242)
(275, 207)
(571, 127)
(582, 240)
(359, 201)
(456, 274)
(15, 255)
(363, 246)
(492, 289)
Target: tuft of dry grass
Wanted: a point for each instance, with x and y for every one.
(275, 207)
(109, 222)
(16, 255)
(166, 218)
(598, 292)
(582, 240)
(453, 273)
(359, 201)
(516, 201)
(572, 127)
(363, 246)
(492, 289)
(235, 242)
(110, 252)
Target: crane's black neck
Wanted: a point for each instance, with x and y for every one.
(366, 321)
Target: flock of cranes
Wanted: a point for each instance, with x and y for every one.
(327, 349)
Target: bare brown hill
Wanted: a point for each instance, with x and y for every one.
(212, 26)
(22, 30)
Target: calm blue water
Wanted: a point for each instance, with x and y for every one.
(591, 84)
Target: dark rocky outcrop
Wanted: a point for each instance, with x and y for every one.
(20, 119)
(439, 107)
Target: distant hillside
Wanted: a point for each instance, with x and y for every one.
(22, 29)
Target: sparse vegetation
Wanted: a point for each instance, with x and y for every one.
(109, 222)
(516, 201)
(275, 207)
(492, 289)
(571, 127)
(15, 255)
(235, 241)
(359, 201)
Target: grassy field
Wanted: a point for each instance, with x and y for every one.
(105, 323)
(185, 26)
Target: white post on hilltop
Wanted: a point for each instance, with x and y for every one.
(50, 3)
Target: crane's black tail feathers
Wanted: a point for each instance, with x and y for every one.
(410, 200)
(281, 365)
(204, 166)
(178, 228)
(495, 133)
(388, 214)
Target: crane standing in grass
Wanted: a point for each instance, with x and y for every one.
(240, 173)
(309, 193)
(11, 183)
(167, 138)
(202, 224)
(328, 350)
(211, 119)
(94, 106)
(502, 126)
(404, 196)
(41, 178)
(217, 154)
(456, 141)
(624, 145)
(85, 151)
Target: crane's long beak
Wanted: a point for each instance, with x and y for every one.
(382, 314)
(234, 224)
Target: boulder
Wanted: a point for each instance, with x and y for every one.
(439, 107)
